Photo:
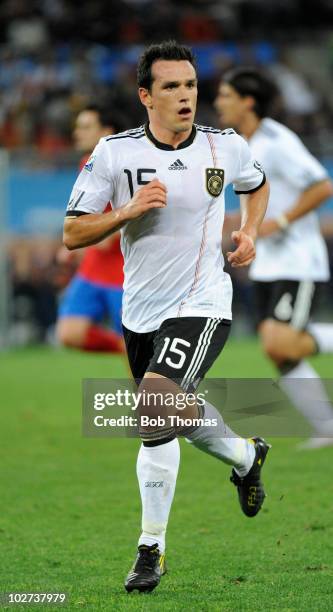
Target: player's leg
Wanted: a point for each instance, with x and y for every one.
(280, 339)
(157, 469)
(158, 460)
(71, 330)
(186, 348)
(183, 350)
(286, 343)
(322, 334)
(284, 326)
(81, 309)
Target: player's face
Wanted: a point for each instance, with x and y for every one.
(88, 131)
(230, 106)
(172, 101)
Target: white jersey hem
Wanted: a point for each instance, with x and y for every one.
(185, 312)
(271, 278)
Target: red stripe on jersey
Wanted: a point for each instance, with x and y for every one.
(203, 239)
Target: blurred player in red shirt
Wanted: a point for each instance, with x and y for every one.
(95, 292)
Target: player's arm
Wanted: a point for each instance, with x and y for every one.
(326, 226)
(251, 185)
(232, 222)
(87, 229)
(64, 256)
(298, 168)
(95, 186)
(309, 200)
(253, 209)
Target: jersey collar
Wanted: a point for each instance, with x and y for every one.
(167, 147)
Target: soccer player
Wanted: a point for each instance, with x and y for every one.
(291, 254)
(166, 181)
(96, 289)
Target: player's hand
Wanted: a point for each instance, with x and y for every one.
(152, 195)
(268, 227)
(245, 251)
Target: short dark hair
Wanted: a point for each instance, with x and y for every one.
(107, 116)
(167, 50)
(254, 83)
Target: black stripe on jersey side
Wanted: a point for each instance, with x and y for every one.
(131, 131)
(73, 203)
(227, 132)
(255, 189)
(127, 136)
(128, 132)
(204, 128)
(76, 213)
(137, 133)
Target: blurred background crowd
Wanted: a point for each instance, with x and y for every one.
(56, 56)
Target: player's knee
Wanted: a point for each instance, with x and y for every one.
(272, 352)
(153, 425)
(163, 409)
(269, 340)
(68, 335)
(280, 341)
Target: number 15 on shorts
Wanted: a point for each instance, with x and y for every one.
(174, 349)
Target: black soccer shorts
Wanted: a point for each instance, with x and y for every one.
(182, 349)
(286, 301)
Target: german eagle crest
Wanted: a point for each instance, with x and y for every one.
(214, 181)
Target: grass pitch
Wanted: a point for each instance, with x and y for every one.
(70, 508)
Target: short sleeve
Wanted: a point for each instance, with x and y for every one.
(297, 165)
(94, 186)
(250, 175)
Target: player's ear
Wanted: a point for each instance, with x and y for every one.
(250, 102)
(145, 97)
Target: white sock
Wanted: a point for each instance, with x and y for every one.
(223, 443)
(310, 398)
(157, 469)
(323, 335)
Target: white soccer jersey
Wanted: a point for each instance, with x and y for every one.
(299, 253)
(173, 256)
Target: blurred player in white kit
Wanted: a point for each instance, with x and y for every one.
(291, 254)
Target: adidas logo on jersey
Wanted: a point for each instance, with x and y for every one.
(177, 165)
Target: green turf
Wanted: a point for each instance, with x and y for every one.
(69, 517)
